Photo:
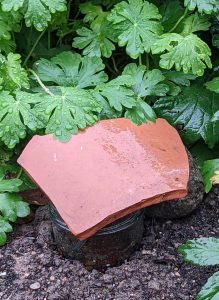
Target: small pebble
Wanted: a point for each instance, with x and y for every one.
(154, 284)
(52, 278)
(35, 286)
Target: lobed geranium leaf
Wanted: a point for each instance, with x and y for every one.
(201, 251)
(193, 109)
(188, 53)
(107, 111)
(68, 109)
(96, 42)
(203, 6)
(141, 113)
(94, 14)
(10, 185)
(12, 74)
(210, 171)
(12, 206)
(137, 24)
(71, 69)
(195, 23)
(5, 227)
(213, 85)
(36, 12)
(9, 22)
(16, 116)
(3, 238)
(146, 83)
(118, 93)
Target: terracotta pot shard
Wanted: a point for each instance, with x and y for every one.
(108, 171)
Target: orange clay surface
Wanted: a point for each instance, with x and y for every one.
(108, 171)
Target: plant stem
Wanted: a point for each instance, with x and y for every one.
(33, 48)
(147, 61)
(69, 9)
(110, 69)
(49, 40)
(179, 21)
(41, 83)
(140, 60)
(114, 65)
(19, 173)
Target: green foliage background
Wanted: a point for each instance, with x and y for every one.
(64, 65)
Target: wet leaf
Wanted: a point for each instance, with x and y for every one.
(210, 291)
(12, 206)
(194, 108)
(202, 251)
(71, 69)
(137, 24)
(203, 6)
(68, 109)
(187, 53)
(36, 12)
(210, 173)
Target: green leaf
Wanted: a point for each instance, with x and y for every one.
(213, 85)
(12, 206)
(203, 6)
(179, 78)
(3, 238)
(5, 227)
(193, 109)
(184, 52)
(8, 22)
(146, 83)
(16, 116)
(201, 152)
(22, 209)
(137, 24)
(209, 170)
(95, 42)
(215, 116)
(67, 110)
(118, 93)
(166, 10)
(141, 112)
(175, 80)
(215, 40)
(107, 112)
(195, 23)
(94, 14)
(71, 69)
(201, 251)
(36, 12)
(15, 170)
(13, 75)
(210, 291)
(10, 185)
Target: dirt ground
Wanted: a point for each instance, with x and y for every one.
(31, 268)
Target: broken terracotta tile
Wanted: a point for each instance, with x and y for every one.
(108, 171)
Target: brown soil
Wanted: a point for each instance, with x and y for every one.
(31, 268)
